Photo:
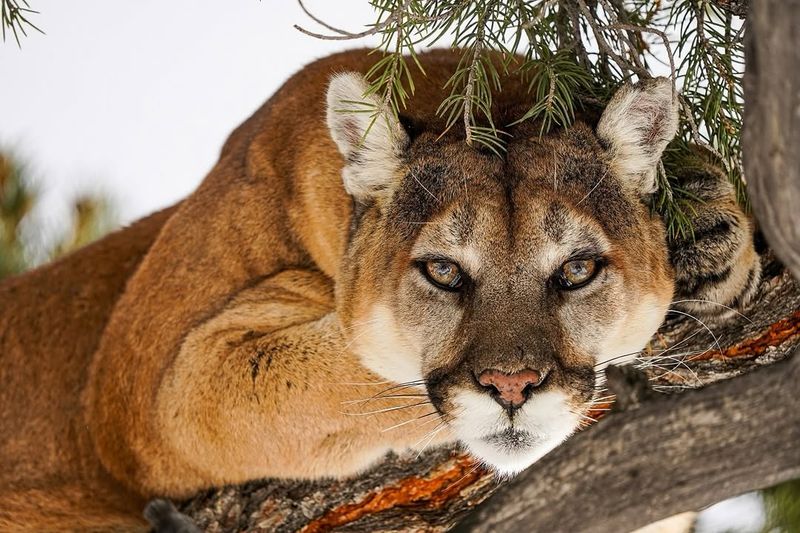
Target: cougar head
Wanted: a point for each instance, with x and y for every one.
(503, 283)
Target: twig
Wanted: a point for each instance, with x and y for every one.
(346, 35)
(399, 13)
(664, 38)
(469, 89)
(687, 111)
(603, 45)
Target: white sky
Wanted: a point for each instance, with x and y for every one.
(134, 99)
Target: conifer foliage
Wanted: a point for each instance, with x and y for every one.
(572, 53)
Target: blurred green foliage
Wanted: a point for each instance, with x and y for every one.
(782, 504)
(91, 218)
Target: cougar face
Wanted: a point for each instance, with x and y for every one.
(504, 284)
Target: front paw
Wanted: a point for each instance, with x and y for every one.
(717, 269)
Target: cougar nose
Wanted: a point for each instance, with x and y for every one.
(510, 390)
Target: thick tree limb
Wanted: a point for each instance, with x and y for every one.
(771, 134)
(434, 491)
(674, 454)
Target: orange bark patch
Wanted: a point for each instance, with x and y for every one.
(422, 492)
(436, 490)
(776, 334)
(598, 411)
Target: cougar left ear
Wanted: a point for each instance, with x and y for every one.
(638, 123)
(368, 135)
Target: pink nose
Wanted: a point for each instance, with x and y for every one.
(510, 390)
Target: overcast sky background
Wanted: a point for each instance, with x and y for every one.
(133, 100)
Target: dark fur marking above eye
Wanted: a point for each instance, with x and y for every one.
(463, 223)
(554, 221)
(422, 192)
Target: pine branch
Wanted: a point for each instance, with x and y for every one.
(573, 50)
(14, 17)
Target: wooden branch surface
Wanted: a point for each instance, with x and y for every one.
(678, 453)
(433, 492)
(771, 134)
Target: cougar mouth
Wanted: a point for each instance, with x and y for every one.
(513, 440)
(508, 445)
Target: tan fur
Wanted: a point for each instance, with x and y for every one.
(245, 332)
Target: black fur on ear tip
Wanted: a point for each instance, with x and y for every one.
(165, 518)
(412, 126)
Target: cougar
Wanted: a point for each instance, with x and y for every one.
(346, 283)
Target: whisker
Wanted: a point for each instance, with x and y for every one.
(716, 341)
(596, 185)
(583, 416)
(406, 385)
(412, 420)
(386, 410)
(465, 476)
(604, 398)
(363, 383)
(606, 361)
(672, 370)
(347, 402)
(439, 425)
(666, 372)
(359, 324)
(414, 383)
(425, 188)
(355, 338)
(435, 432)
(713, 303)
(679, 343)
(669, 349)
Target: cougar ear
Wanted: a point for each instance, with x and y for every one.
(638, 123)
(368, 135)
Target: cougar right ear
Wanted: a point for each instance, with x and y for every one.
(638, 123)
(368, 135)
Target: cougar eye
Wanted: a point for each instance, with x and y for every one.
(577, 273)
(444, 274)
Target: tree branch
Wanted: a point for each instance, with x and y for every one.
(736, 7)
(671, 455)
(772, 124)
(434, 491)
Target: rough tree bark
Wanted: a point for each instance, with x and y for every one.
(772, 123)
(679, 453)
(670, 454)
(436, 490)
